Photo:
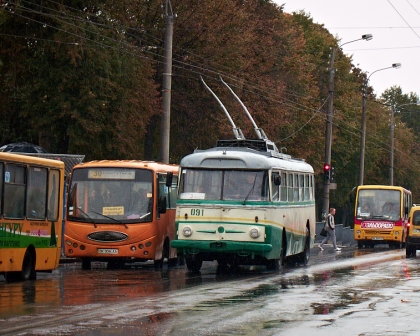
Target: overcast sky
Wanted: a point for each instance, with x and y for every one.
(395, 26)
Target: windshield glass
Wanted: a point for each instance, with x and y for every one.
(244, 185)
(380, 204)
(111, 195)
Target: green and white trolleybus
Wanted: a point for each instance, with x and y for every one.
(243, 203)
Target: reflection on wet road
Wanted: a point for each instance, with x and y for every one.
(335, 293)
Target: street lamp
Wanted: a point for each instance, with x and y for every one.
(363, 137)
(328, 132)
(391, 158)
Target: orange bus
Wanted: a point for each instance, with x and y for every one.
(121, 211)
(381, 215)
(31, 206)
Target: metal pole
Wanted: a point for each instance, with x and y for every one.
(328, 135)
(363, 138)
(328, 132)
(391, 159)
(166, 86)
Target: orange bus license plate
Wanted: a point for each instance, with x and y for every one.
(107, 251)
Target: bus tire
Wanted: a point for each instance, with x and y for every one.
(28, 266)
(194, 264)
(303, 257)
(410, 251)
(86, 264)
(165, 254)
(283, 250)
(272, 264)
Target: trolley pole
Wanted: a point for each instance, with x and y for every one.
(166, 85)
(328, 135)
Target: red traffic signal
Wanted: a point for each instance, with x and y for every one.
(327, 171)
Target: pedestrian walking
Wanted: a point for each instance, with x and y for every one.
(330, 228)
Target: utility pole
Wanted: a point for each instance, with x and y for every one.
(363, 137)
(391, 157)
(328, 135)
(328, 132)
(166, 85)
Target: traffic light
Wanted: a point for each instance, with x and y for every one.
(327, 172)
(332, 175)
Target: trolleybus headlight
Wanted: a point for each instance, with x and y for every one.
(358, 232)
(254, 233)
(187, 231)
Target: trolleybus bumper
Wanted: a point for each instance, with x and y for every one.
(220, 246)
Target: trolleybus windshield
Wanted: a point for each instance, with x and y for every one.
(244, 185)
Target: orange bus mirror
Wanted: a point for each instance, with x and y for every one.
(162, 204)
(169, 177)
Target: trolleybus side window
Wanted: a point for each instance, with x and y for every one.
(306, 188)
(14, 188)
(301, 186)
(36, 193)
(312, 188)
(290, 187)
(275, 180)
(283, 187)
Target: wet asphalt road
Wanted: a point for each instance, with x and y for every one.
(334, 294)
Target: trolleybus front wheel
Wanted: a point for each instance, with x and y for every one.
(194, 263)
(272, 264)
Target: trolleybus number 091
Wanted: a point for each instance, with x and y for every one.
(197, 212)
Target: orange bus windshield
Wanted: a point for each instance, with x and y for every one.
(109, 195)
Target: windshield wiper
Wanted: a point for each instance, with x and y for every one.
(115, 220)
(92, 221)
(252, 189)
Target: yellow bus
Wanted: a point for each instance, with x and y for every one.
(121, 211)
(32, 193)
(381, 215)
